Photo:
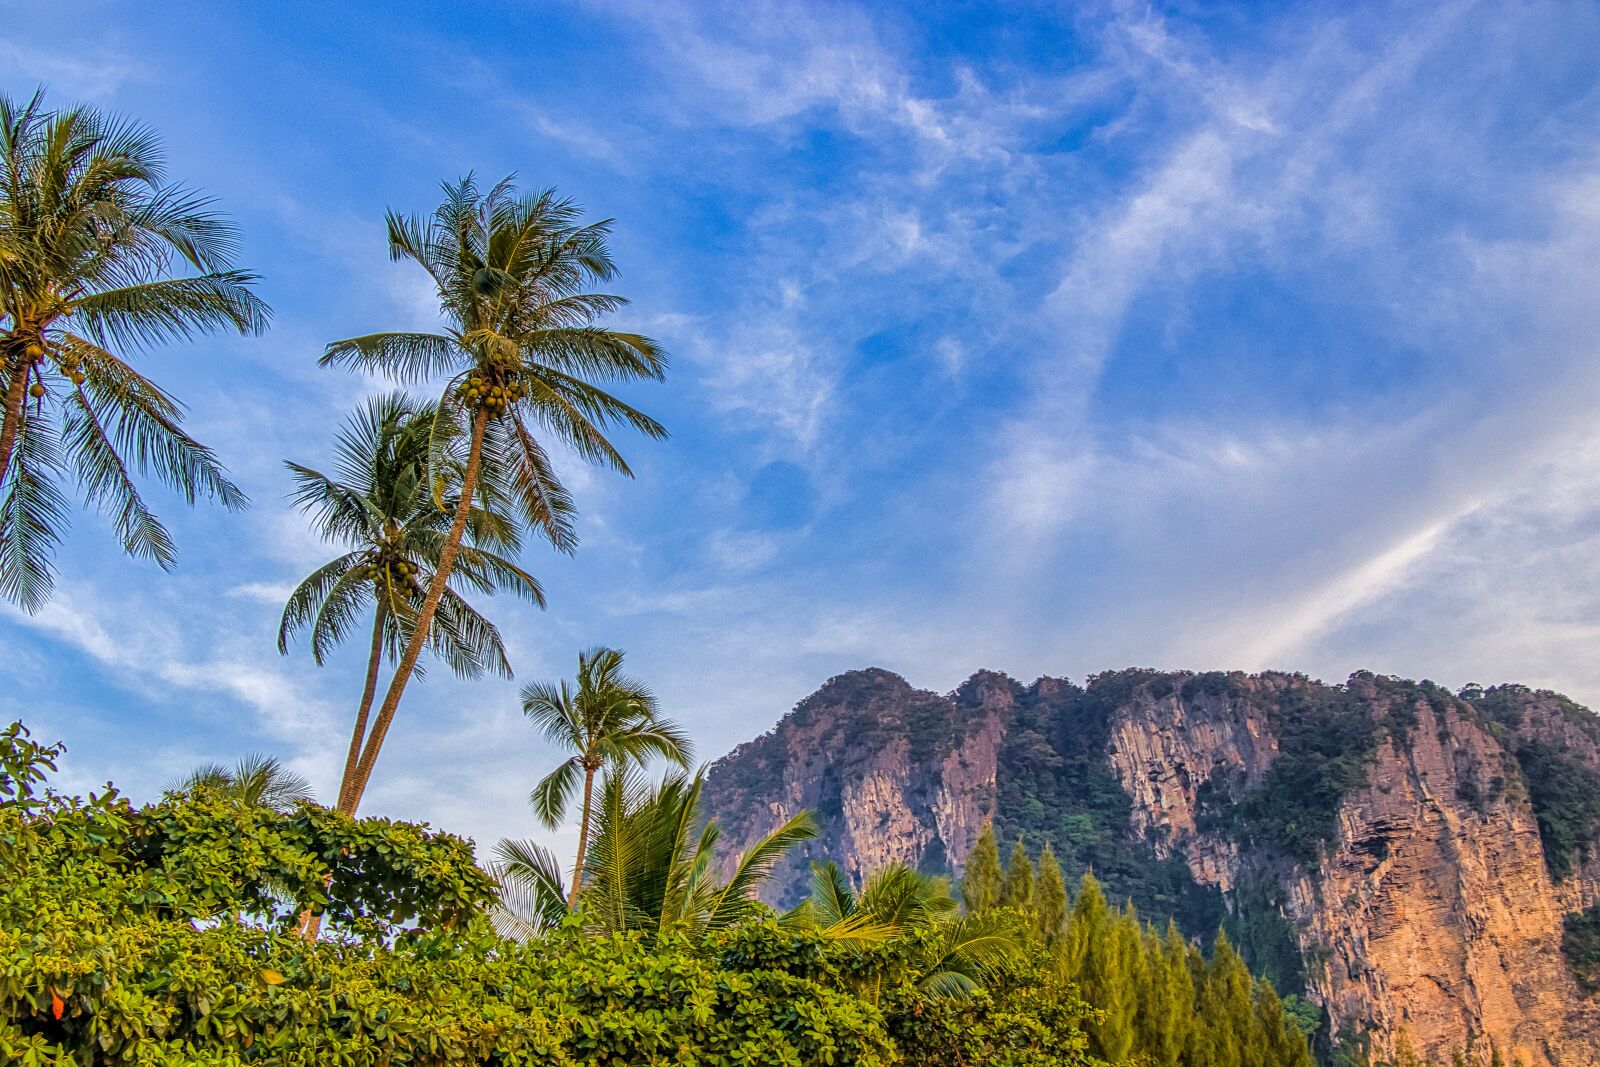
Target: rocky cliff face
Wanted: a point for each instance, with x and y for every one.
(1405, 856)
(892, 774)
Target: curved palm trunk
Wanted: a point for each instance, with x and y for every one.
(16, 392)
(370, 690)
(583, 838)
(430, 606)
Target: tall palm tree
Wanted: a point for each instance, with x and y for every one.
(649, 869)
(89, 237)
(379, 506)
(607, 719)
(256, 780)
(522, 348)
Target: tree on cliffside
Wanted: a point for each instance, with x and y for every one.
(981, 881)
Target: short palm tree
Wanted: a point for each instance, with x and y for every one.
(257, 780)
(898, 900)
(378, 505)
(606, 719)
(522, 350)
(89, 237)
(652, 865)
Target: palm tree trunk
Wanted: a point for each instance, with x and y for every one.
(353, 757)
(311, 922)
(430, 605)
(583, 838)
(16, 392)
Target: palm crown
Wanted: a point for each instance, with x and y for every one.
(89, 235)
(521, 344)
(379, 506)
(652, 866)
(606, 719)
(256, 780)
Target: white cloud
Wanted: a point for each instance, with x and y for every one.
(83, 71)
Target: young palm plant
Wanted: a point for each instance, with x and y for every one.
(607, 719)
(522, 349)
(652, 865)
(379, 506)
(89, 238)
(256, 780)
(897, 901)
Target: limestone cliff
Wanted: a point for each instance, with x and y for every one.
(1403, 855)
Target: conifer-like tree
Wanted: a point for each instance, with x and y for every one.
(1049, 899)
(1166, 998)
(1017, 889)
(980, 881)
(1097, 957)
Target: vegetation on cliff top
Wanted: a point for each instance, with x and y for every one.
(1563, 786)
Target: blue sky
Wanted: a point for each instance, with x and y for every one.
(1049, 339)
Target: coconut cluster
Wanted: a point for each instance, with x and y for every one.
(494, 393)
(385, 571)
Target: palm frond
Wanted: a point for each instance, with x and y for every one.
(342, 606)
(755, 866)
(107, 485)
(545, 504)
(533, 898)
(33, 514)
(832, 897)
(552, 797)
(142, 425)
(489, 572)
(339, 512)
(307, 599)
(405, 357)
(171, 309)
(469, 643)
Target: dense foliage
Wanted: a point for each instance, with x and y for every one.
(1326, 737)
(163, 935)
(1160, 1001)
(1580, 944)
(1563, 788)
(1056, 787)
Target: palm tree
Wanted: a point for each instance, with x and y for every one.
(521, 347)
(648, 869)
(897, 900)
(379, 506)
(608, 719)
(89, 236)
(257, 781)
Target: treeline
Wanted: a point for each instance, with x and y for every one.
(1160, 1000)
